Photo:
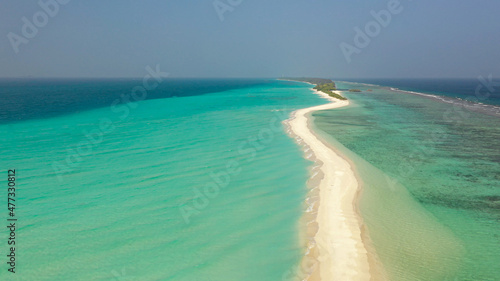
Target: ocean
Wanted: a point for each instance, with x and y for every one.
(430, 171)
(198, 182)
(483, 89)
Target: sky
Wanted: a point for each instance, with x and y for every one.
(251, 38)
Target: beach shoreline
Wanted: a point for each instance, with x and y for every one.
(333, 232)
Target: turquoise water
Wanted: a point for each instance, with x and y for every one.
(431, 179)
(141, 202)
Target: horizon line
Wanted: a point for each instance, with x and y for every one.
(274, 78)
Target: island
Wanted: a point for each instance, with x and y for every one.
(326, 86)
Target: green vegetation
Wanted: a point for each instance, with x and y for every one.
(335, 95)
(355, 90)
(328, 88)
(323, 85)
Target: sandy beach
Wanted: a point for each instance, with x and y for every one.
(338, 247)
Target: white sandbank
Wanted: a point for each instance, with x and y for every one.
(341, 253)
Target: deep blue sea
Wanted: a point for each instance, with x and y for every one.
(24, 99)
(466, 89)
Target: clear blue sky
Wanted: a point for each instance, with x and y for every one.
(259, 38)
